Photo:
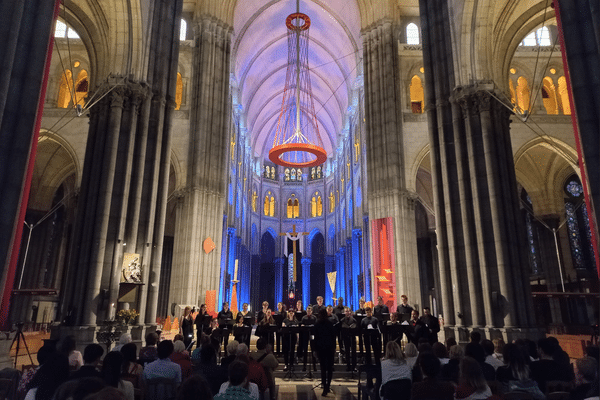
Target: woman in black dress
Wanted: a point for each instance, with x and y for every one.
(187, 326)
(289, 340)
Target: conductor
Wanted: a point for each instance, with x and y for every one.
(325, 345)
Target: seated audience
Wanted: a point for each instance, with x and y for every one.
(163, 367)
(450, 371)
(265, 357)
(130, 365)
(562, 358)
(586, 378)
(472, 385)
(42, 356)
(450, 341)
(67, 347)
(203, 340)
(112, 366)
(411, 353)
(194, 388)
(148, 353)
(181, 357)
(49, 377)
(256, 372)
(475, 351)
(431, 387)
(78, 389)
(545, 368)
(515, 375)
(238, 386)
(230, 351)
(123, 340)
(498, 348)
(394, 365)
(475, 337)
(440, 351)
(208, 368)
(488, 348)
(92, 355)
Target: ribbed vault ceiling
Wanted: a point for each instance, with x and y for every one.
(259, 58)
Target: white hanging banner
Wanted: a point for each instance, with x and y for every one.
(331, 276)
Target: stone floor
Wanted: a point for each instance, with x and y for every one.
(343, 388)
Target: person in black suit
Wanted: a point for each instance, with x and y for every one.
(348, 322)
(432, 324)
(225, 318)
(325, 345)
(308, 320)
(202, 322)
(319, 306)
(372, 336)
(289, 340)
(380, 309)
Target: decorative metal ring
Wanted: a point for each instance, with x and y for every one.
(276, 152)
(303, 17)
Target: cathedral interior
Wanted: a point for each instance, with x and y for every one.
(453, 172)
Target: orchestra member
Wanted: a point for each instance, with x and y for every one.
(265, 327)
(202, 322)
(279, 316)
(187, 326)
(372, 336)
(325, 346)
(404, 308)
(289, 340)
(359, 315)
(348, 323)
(308, 320)
(431, 325)
(319, 306)
(225, 318)
(380, 309)
(261, 314)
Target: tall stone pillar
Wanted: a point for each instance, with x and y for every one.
(195, 271)
(122, 203)
(25, 51)
(481, 244)
(387, 194)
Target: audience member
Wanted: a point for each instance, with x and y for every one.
(450, 341)
(208, 368)
(78, 389)
(515, 375)
(163, 367)
(450, 371)
(499, 348)
(67, 347)
(488, 348)
(256, 372)
(394, 365)
(431, 387)
(475, 351)
(230, 351)
(148, 352)
(123, 340)
(586, 378)
(265, 357)
(130, 365)
(194, 388)
(238, 387)
(92, 354)
(562, 358)
(475, 337)
(546, 368)
(42, 356)
(472, 385)
(411, 353)
(112, 366)
(49, 377)
(181, 357)
(440, 351)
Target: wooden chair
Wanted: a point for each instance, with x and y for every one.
(518, 396)
(160, 389)
(558, 396)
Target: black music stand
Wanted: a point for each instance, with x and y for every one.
(351, 332)
(290, 330)
(306, 331)
(18, 337)
(205, 323)
(248, 320)
(243, 332)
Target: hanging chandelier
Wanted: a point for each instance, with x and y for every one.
(297, 142)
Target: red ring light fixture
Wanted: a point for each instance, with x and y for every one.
(292, 17)
(276, 152)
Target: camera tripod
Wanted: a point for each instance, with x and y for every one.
(17, 339)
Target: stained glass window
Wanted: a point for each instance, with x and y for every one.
(578, 225)
(532, 239)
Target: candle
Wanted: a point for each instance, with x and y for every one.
(236, 269)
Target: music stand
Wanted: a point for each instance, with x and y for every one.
(307, 332)
(290, 330)
(351, 332)
(243, 332)
(248, 320)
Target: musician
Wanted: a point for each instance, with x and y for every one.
(187, 326)
(279, 316)
(339, 312)
(239, 323)
(348, 322)
(359, 315)
(308, 320)
(265, 327)
(404, 308)
(325, 346)
(380, 309)
(372, 336)
(396, 335)
(432, 325)
(300, 313)
(225, 318)
(215, 333)
(417, 328)
(202, 322)
(319, 306)
(246, 316)
(289, 340)
(261, 314)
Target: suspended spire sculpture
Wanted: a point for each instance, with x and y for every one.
(297, 142)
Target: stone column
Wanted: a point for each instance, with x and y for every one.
(204, 201)
(386, 194)
(25, 51)
(481, 243)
